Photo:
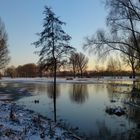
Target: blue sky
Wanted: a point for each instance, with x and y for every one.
(24, 18)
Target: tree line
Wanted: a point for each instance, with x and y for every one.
(32, 70)
(74, 66)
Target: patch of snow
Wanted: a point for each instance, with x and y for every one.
(28, 125)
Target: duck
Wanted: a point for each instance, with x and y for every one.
(36, 101)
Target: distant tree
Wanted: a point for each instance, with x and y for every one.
(54, 42)
(73, 63)
(97, 68)
(11, 72)
(27, 70)
(40, 69)
(30, 70)
(79, 63)
(82, 62)
(114, 66)
(48, 67)
(4, 58)
(20, 71)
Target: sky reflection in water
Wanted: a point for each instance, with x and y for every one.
(83, 106)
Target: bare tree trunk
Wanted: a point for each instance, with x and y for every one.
(54, 97)
(54, 74)
(74, 73)
(81, 73)
(133, 72)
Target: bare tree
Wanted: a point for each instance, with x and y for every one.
(30, 70)
(130, 60)
(11, 72)
(123, 21)
(73, 63)
(82, 62)
(4, 58)
(79, 63)
(27, 70)
(113, 66)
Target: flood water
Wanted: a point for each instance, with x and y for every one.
(83, 106)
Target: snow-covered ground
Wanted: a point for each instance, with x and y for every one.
(17, 123)
(67, 80)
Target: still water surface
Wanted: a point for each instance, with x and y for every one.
(83, 106)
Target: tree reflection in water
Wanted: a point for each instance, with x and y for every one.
(50, 91)
(133, 114)
(106, 133)
(53, 92)
(134, 96)
(113, 92)
(79, 93)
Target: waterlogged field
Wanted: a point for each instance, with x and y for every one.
(82, 106)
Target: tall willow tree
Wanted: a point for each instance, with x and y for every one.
(54, 43)
(123, 22)
(4, 58)
(122, 35)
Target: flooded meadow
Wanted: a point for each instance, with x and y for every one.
(82, 106)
